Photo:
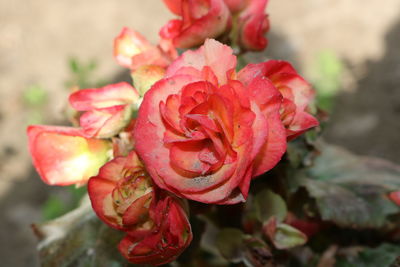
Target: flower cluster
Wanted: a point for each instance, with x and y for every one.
(190, 127)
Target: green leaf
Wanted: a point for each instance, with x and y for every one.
(282, 235)
(383, 256)
(351, 190)
(287, 236)
(53, 207)
(230, 244)
(268, 204)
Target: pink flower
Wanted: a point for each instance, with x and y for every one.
(64, 156)
(200, 19)
(297, 93)
(202, 134)
(132, 50)
(107, 110)
(123, 196)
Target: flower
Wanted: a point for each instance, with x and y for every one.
(64, 156)
(201, 19)
(121, 193)
(297, 93)
(123, 196)
(132, 50)
(251, 25)
(170, 236)
(202, 134)
(244, 21)
(107, 110)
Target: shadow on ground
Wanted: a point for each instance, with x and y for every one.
(367, 121)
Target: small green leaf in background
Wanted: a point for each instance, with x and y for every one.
(53, 208)
(82, 74)
(56, 205)
(383, 256)
(327, 72)
(268, 204)
(35, 96)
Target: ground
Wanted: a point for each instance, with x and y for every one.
(38, 38)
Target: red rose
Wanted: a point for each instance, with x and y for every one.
(64, 156)
(123, 196)
(201, 19)
(297, 93)
(202, 134)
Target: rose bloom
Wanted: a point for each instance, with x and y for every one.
(123, 196)
(203, 134)
(200, 19)
(297, 93)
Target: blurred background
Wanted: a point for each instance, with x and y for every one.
(349, 50)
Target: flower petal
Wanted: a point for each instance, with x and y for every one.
(63, 156)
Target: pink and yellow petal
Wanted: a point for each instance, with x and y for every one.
(63, 156)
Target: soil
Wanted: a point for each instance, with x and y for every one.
(39, 36)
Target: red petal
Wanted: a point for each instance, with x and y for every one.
(98, 189)
(134, 214)
(185, 157)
